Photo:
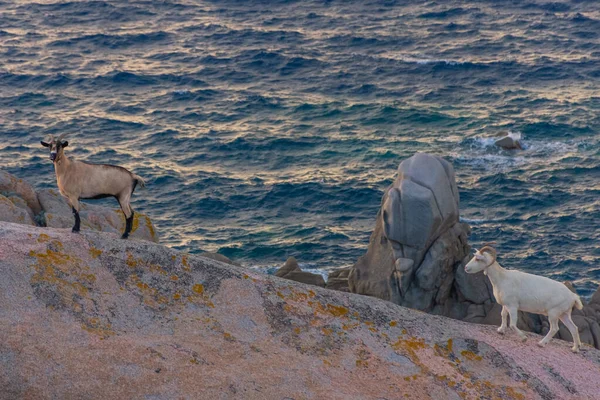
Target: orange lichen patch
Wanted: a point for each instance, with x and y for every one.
(131, 261)
(61, 271)
(350, 326)
(337, 311)
(43, 238)
(228, 336)
(174, 278)
(514, 394)
(297, 330)
(95, 252)
(311, 294)
(198, 288)
(96, 327)
(469, 355)
(327, 363)
(246, 276)
(327, 331)
(280, 295)
(186, 265)
(177, 296)
(393, 323)
(362, 363)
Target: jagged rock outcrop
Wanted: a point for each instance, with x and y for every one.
(19, 203)
(418, 244)
(92, 316)
(292, 271)
(418, 250)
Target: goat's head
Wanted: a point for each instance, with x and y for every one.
(56, 146)
(482, 259)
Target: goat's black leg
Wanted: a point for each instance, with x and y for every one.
(128, 225)
(77, 220)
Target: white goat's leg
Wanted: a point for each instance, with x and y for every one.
(566, 319)
(553, 329)
(504, 314)
(514, 318)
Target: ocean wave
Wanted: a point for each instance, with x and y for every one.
(113, 41)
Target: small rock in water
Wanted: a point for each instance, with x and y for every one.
(510, 142)
(291, 270)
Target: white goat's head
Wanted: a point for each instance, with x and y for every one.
(482, 259)
(56, 145)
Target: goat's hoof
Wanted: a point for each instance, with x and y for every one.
(575, 349)
(501, 331)
(75, 230)
(524, 339)
(124, 236)
(541, 344)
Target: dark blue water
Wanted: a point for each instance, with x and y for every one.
(268, 129)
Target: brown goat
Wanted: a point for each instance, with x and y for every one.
(80, 180)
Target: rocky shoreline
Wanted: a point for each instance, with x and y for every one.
(91, 308)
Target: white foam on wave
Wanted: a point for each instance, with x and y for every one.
(483, 153)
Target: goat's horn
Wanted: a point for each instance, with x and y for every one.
(491, 250)
(61, 137)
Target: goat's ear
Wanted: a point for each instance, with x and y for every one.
(45, 144)
(64, 143)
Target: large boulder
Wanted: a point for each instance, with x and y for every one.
(11, 185)
(13, 210)
(418, 242)
(58, 214)
(90, 316)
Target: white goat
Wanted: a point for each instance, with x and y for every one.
(80, 180)
(516, 290)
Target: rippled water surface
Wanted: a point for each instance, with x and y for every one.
(271, 128)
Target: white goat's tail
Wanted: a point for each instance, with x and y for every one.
(139, 180)
(578, 303)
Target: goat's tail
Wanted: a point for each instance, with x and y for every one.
(578, 303)
(139, 180)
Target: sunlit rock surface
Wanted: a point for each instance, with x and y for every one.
(92, 316)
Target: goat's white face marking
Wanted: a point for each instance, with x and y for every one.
(477, 264)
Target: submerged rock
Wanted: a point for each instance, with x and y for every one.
(92, 316)
(510, 142)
